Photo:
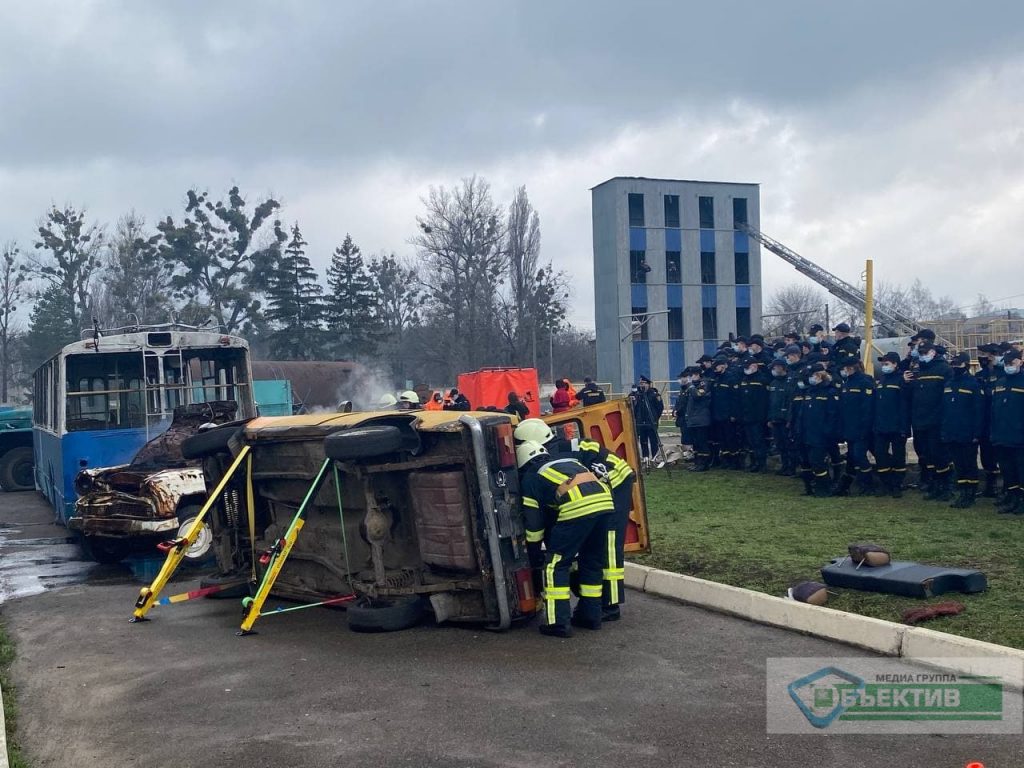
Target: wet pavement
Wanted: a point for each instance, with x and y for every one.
(669, 685)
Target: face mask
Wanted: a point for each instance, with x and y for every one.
(751, 371)
(814, 341)
(800, 385)
(888, 368)
(927, 358)
(815, 381)
(915, 353)
(1011, 369)
(735, 347)
(844, 373)
(778, 374)
(998, 360)
(779, 355)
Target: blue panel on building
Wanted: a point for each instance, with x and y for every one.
(709, 296)
(741, 242)
(638, 292)
(641, 359)
(707, 240)
(710, 347)
(673, 239)
(637, 239)
(674, 296)
(743, 296)
(676, 358)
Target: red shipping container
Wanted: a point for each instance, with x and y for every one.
(490, 386)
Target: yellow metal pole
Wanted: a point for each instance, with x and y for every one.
(869, 313)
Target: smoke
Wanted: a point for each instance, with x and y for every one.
(365, 387)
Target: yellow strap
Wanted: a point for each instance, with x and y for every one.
(613, 584)
(250, 503)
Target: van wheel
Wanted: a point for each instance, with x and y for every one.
(202, 549)
(104, 549)
(384, 614)
(16, 470)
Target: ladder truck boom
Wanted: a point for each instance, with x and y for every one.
(838, 287)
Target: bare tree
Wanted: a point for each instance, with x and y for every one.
(12, 291)
(136, 285)
(793, 308)
(461, 240)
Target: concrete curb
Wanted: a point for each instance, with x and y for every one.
(885, 637)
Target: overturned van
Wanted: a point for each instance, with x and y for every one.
(396, 513)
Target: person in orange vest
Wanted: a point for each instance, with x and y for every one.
(435, 403)
(573, 400)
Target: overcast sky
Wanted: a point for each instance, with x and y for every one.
(876, 129)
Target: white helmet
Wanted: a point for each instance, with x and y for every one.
(387, 400)
(527, 451)
(533, 430)
(409, 397)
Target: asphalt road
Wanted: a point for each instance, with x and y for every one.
(667, 686)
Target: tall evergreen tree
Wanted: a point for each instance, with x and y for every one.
(294, 304)
(52, 324)
(352, 304)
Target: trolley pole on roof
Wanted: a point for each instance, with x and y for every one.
(869, 312)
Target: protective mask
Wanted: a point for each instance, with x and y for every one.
(800, 385)
(1010, 370)
(778, 374)
(815, 381)
(779, 355)
(735, 347)
(814, 341)
(927, 358)
(997, 360)
(844, 373)
(915, 353)
(683, 382)
(888, 368)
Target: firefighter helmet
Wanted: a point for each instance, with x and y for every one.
(526, 452)
(533, 430)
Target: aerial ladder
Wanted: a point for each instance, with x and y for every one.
(895, 321)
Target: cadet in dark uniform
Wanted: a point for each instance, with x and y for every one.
(962, 420)
(817, 427)
(780, 398)
(590, 394)
(1008, 432)
(891, 425)
(565, 499)
(846, 344)
(757, 351)
(723, 398)
(752, 394)
(986, 376)
(927, 385)
(698, 418)
(648, 410)
(856, 419)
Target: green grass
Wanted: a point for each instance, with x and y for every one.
(17, 759)
(759, 532)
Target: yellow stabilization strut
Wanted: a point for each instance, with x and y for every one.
(177, 548)
(275, 558)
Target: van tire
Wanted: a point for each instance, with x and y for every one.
(17, 470)
(212, 441)
(364, 442)
(385, 614)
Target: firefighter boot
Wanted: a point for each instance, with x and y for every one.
(990, 485)
(896, 485)
(866, 483)
(822, 486)
(924, 482)
(941, 485)
(965, 497)
(808, 478)
(842, 488)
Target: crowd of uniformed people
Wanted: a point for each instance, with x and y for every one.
(804, 397)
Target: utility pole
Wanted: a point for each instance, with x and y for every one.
(869, 314)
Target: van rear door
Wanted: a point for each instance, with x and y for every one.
(611, 424)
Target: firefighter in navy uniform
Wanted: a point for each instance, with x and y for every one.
(963, 406)
(698, 417)
(780, 396)
(846, 344)
(752, 408)
(570, 510)
(590, 394)
(891, 425)
(816, 428)
(723, 413)
(619, 476)
(986, 376)
(856, 417)
(1008, 432)
(927, 385)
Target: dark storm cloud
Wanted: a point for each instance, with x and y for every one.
(435, 82)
